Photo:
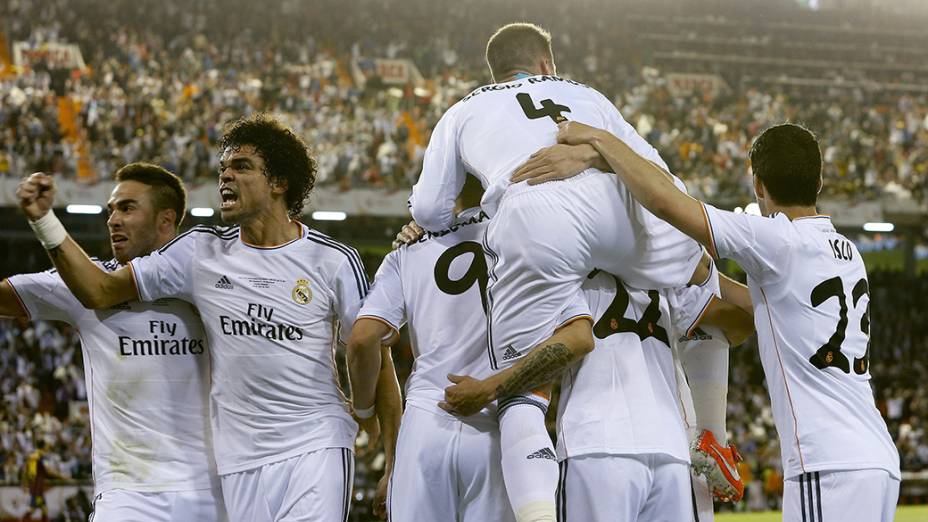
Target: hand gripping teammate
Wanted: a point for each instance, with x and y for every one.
(810, 295)
(275, 298)
(146, 364)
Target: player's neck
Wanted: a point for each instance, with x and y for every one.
(516, 75)
(795, 212)
(270, 230)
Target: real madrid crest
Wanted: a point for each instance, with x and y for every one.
(301, 293)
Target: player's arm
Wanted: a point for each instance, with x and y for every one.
(10, 305)
(441, 180)
(736, 294)
(539, 367)
(389, 406)
(92, 286)
(737, 324)
(365, 361)
(648, 182)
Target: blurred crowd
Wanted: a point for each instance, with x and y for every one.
(44, 398)
(163, 79)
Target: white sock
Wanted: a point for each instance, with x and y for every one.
(530, 469)
(706, 366)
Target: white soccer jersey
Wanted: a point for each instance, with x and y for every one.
(622, 398)
(811, 298)
(147, 372)
(437, 285)
(494, 129)
(273, 317)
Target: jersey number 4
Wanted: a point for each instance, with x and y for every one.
(830, 353)
(614, 321)
(476, 273)
(548, 108)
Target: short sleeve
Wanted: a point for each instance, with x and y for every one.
(351, 287)
(45, 296)
(759, 244)
(442, 177)
(688, 304)
(167, 272)
(578, 307)
(386, 301)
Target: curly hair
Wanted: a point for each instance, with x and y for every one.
(286, 157)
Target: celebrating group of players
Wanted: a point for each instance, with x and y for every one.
(549, 241)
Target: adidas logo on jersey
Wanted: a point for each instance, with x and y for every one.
(543, 453)
(224, 283)
(510, 353)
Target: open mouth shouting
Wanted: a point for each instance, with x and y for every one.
(229, 198)
(118, 239)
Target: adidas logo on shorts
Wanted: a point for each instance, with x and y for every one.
(543, 453)
(510, 353)
(224, 283)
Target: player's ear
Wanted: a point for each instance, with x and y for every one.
(546, 66)
(278, 186)
(167, 218)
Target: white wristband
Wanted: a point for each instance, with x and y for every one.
(49, 230)
(365, 413)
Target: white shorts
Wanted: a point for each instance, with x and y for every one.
(447, 469)
(543, 243)
(123, 505)
(606, 488)
(313, 487)
(844, 496)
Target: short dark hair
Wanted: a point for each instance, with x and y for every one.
(286, 156)
(168, 190)
(517, 46)
(788, 161)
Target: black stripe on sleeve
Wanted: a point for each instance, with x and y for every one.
(357, 267)
(350, 252)
(220, 232)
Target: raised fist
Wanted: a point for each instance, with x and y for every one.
(36, 195)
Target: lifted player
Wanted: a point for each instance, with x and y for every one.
(275, 297)
(810, 298)
(543, 241)
(448, 468)
(146, 365)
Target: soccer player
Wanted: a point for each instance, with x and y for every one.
(275, 298)
(810, 296)
(620, 426)
(542, 241)
(448, 467)
(146, 365)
